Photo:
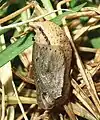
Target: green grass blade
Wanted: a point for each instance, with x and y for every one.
(58, 19)
(15, 49)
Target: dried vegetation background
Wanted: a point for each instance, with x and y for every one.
(81, 22)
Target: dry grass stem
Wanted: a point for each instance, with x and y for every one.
(79, 14)
(69, 112)
(83, 72)
(87, 49)
(83, 98)
(94, 27)
(5, 19)
(81, 111)
(12, 100)
(19, 102)
(4, 5)
(3, 103)
(21, 116)
(93, 93)
(21, 87)
(80, 32)
(60, 4)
